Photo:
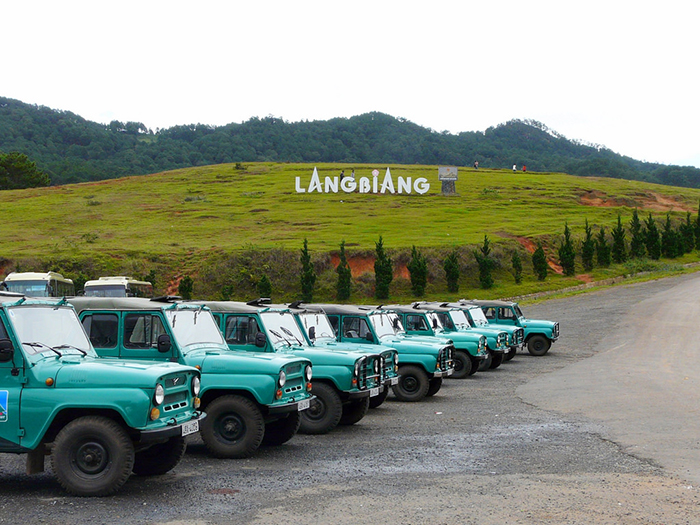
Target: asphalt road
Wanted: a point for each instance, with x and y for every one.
(603, 429)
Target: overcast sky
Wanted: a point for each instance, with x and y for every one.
(619, 73)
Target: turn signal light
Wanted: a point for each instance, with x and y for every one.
(308, 386)
(196, 402)
(49, 381)
(155, 414)
(278, 394)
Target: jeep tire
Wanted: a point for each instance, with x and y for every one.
(282, 430)
(376, 401)
(485, 363)
(160, 458)
(496, 360)
(354, 411)
(434, 386)
(463, 365)
(324, 413)
(538, 345)
(234, 427)
(413, 384)
(92, 456)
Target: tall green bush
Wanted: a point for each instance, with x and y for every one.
(308, 274)
(587, 248)
(486, 264)
(344, 285)
(652, 239)
(602, 249)
(383, 271)
(517, 267)
(451, 267)
(567, 253)
(184, 288)
(539, 262)
(418, 269)
(619, 244)
(637, 242)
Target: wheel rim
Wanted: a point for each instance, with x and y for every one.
(91, 458)
(459, 365)
(316, 410)
(409, 384)
(231, 427)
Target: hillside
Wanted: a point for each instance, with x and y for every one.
(229, 224)
(72, 149)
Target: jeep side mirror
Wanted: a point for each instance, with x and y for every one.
(164, 343)
(312, 332)
(260, 339)
(7, 351)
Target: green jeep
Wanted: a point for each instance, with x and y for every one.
(319, 333)
(250, 399)
(474, 350)
(477, 319)
(423, 362)
(539, 334)
(344, 381)
(100, 420)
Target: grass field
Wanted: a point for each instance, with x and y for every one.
(180, 216)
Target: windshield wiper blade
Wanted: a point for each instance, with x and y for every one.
(280, 336)
(289, 333)
(36, 344)
(74, 348)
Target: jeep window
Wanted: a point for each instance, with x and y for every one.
(319, 321)
(3, 332)
(518, 311)
(51, 326)
(506, 313)
(142, 330)
(355, 327)
(384, 324)
(281, 326)
(333, 319)
(240, 330)
(192, 327)
(416, 323)
(450, 321)
(103, 329)
(434, 321)
(490, 312)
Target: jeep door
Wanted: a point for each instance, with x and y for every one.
(11, 381)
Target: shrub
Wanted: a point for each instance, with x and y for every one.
(418, 268)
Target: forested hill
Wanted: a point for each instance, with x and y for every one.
(72, 149)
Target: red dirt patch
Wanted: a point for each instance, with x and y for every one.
(362, 264)
(647, 201)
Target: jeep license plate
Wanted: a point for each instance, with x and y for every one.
(395, 380)
(450, 371)
(373, 392)
(190, 427)
(437, 373)
(303, 404)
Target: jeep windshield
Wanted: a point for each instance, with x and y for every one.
(434, 320)
(518, 311)
(191, 327)
(282, 328)
(478, 317)
(459, 319)
(386, 324)
(319, 322)
(54, 329)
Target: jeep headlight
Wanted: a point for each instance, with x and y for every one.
(159, 395)
(196, 385)
(396, 359)
(357, 368)
(376, 366)
(308, 373)
(282, 379)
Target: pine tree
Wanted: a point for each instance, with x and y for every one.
(308, 275)
(418, 268)
(652, 240)
(669, 244)
(637, 243)
(344, 285)
(451, 266)
(567, 254)
(486, 264)
(539, 263)
(619, 246)
(383, 271)
(602, 249)
(588, 248)
(184, 288)
(687, 234)
(697, 229)
(517, 267)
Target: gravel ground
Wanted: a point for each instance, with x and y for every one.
(491, 449)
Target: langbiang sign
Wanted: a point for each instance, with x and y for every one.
(349, 184)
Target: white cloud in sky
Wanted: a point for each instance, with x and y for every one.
(618, 73)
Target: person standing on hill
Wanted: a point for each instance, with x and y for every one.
(515, 168)
(476, 164)
(524, 168)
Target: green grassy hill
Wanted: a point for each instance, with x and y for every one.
(212, 222)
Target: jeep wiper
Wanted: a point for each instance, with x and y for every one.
(36, 344)
(289, 333)
(74, 348)
(280, 337)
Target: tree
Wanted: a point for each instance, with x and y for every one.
(184, 288)
(652, 240)
(486, 264)
(687, 234)
(451, 266)
(517, 267)
(697, 229)
(567, 254)
(602, 249)
(264, 287)
(343, 287)
(587, 248)
(539, 263)
(669, 242)
(18, 172)
(418, 268)
(619, 246)
(637, 244)
(308, 274)
(383, 271)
